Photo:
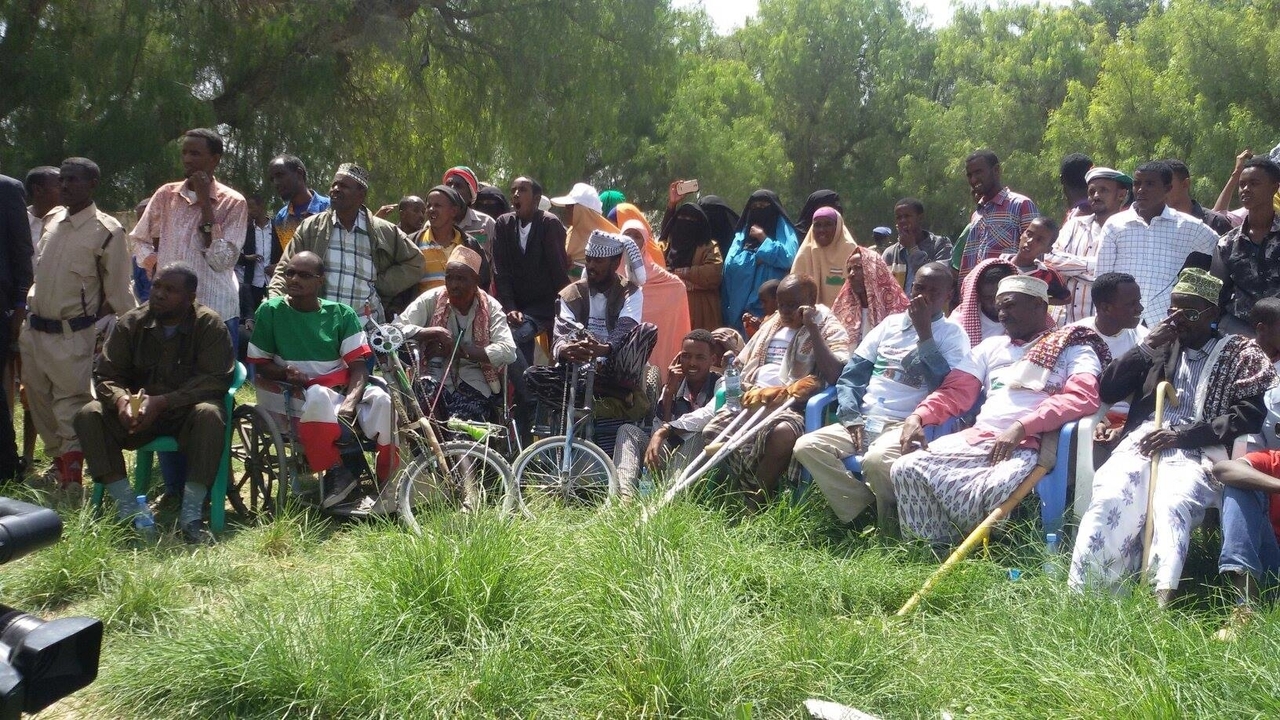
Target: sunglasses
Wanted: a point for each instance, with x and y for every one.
(291, 273)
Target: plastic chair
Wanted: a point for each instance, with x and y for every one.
(1052, 490)
(168, 443)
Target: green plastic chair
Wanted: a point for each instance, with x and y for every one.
(168, 443)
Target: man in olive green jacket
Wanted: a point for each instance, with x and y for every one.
(368, 261)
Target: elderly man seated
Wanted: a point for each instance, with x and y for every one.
(164, 371)
(467, 327)
(310, 354)
(610, 310)
(1220, 381)
(801, 339)
(896, 365)
(1036, 380)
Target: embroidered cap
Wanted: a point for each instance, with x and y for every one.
(1107, 173)
(355, 172)
(604, 245)
(463, 255)
(1025, 284)
(1198, 282)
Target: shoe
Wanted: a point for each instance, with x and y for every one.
(1241, 617)
(195, 533)
(339, 484)
(166, 503)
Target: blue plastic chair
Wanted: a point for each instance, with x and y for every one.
(169, 443)
(1052, 489)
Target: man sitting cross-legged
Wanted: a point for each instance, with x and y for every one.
(466, 326)
(801, 339)
(315, 351)
(897, 363)
(684, 408)
(1036, 380)
(610, 309)
(176, 354)
(1220, 382)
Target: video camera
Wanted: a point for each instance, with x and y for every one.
(41, 661)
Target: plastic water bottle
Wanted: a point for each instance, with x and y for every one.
(646, 483)
(144, 522)
(1051, 546)
(875, 420)
(732, 383)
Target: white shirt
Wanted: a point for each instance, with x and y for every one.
(891, 393)
(1153, 254)
(597, 324)
(992, 362)
(1120, 343)
(524, 229)
(770, 374)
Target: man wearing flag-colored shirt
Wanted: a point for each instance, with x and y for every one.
(310, 355)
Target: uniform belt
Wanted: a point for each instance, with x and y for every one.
(59, 327)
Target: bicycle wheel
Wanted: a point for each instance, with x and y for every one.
(476, 476)
(586, 476)
(265, 466)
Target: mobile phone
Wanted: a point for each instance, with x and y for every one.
(684, 187)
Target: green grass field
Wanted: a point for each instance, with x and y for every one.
(703, 613)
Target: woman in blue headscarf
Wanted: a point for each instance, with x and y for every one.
(764, 246)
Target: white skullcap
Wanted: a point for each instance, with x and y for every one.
(1025, 284)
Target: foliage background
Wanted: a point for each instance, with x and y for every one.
(861, 96)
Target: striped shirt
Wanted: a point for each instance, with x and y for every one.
(349, 270)
(169, 231)
(1075, 258)
(435, 256)
(995, 226)
(1153, 254)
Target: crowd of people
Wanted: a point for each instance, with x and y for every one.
(1019, 325)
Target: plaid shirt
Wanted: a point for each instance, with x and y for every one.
(1153, 254)
(350, 273)
(1250, 269)
(995, 226)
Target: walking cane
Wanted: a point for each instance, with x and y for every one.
(1163, 390)
(1048, 455)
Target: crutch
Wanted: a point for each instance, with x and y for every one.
(1048, 455)
(1163, 390)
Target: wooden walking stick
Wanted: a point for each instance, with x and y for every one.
(1163, 390)
(1048, 456)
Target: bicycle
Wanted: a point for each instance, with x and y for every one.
(567, 467)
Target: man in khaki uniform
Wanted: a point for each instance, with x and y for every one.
(81, 272)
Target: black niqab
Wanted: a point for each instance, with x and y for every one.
(818, 199)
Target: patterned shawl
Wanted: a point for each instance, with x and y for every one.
(884, 294)
(479, 331)
(798, 361)
(1032, 371)
(1241, 370)
(969, 311)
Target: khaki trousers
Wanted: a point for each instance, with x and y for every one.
(822, 451)
(57, 372)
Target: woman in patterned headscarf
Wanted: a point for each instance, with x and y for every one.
(870, 294)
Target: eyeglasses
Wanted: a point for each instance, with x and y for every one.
(291, 273)
(1187, 313)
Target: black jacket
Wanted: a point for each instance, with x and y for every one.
(530, 280)
(15, 245)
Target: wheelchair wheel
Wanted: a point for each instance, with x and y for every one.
(586, 477)
(475, 473)
(261, 482)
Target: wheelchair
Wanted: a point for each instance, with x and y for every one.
(463, 470)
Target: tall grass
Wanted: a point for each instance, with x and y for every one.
(701, 613)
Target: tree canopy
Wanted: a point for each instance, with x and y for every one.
(860, 96)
